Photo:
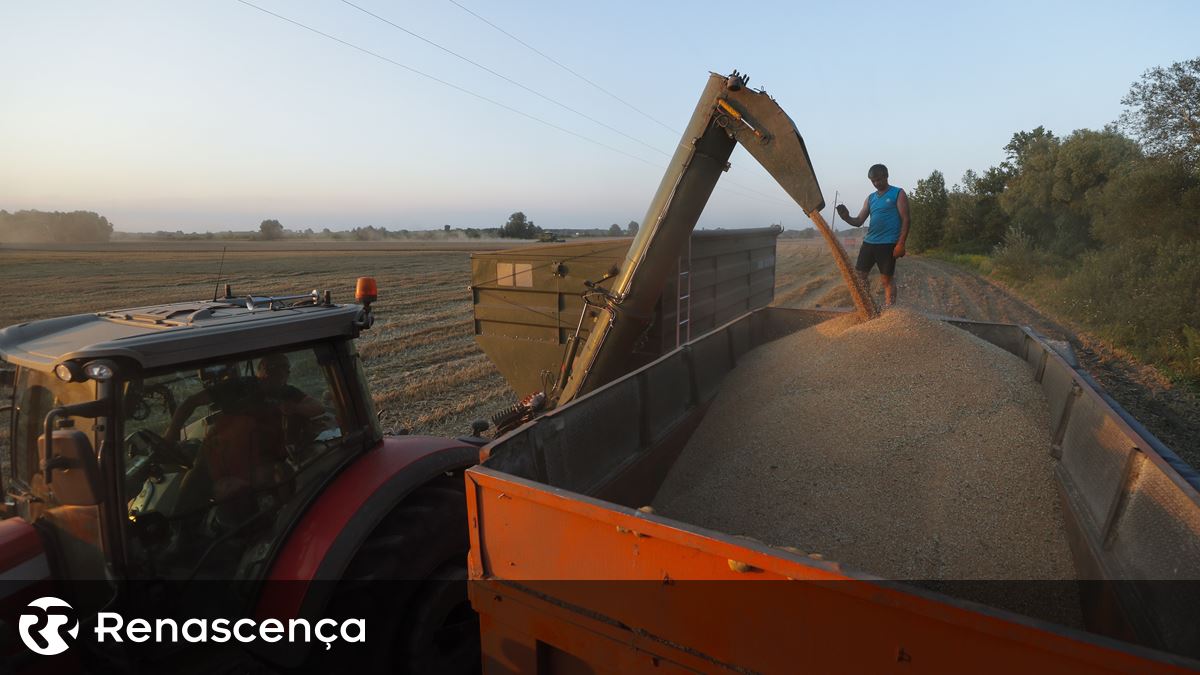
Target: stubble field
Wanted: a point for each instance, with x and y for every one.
(426, 372)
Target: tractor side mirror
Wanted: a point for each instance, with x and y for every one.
(73, 469)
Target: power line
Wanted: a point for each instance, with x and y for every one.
(726, 182)
(602, 89)
(448, 84)
(724, 185)
(507, 79)
(748, 193)
(560, 65)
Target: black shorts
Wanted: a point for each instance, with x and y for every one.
(870, 255)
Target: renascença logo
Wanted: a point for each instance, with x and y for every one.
(43, 624)
(47, 619)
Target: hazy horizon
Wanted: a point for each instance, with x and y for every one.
(216, 116)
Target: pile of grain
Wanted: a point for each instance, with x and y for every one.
(902, 447)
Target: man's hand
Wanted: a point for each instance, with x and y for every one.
(843, 211)
(306, 407)
(898, 250)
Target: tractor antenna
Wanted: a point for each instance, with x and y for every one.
(220, 266)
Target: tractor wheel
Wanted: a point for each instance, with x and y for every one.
(411, 575)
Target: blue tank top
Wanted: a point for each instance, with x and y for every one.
(885, 217)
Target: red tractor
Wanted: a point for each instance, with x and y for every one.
(226, 449)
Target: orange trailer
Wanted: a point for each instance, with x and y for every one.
(569, 576)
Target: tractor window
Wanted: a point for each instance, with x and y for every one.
(367, 402)
(7, 406)
(35, 394)
(215, 453)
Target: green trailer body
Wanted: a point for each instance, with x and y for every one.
(527, 300)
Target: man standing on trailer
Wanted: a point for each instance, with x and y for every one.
(888, 209)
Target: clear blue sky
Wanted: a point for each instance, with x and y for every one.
(214, 115)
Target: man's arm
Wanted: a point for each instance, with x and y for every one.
(856, 221)
(305, 407)
(183, 412)
(296, 402)
(902, 207)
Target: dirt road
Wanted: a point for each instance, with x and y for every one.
(806, 278)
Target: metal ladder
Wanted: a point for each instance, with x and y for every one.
(683, 300)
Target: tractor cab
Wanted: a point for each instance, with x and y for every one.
(179, 441)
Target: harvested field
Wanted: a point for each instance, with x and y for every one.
(420, 357)
(422, 345)
(902, 447)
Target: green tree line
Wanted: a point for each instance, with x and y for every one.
(54, 226)
(1103, 225)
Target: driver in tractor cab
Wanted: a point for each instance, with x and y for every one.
(244, 447)
(295, 406)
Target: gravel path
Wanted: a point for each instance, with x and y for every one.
(902, 447)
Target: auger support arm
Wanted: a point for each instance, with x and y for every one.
(728, 113)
